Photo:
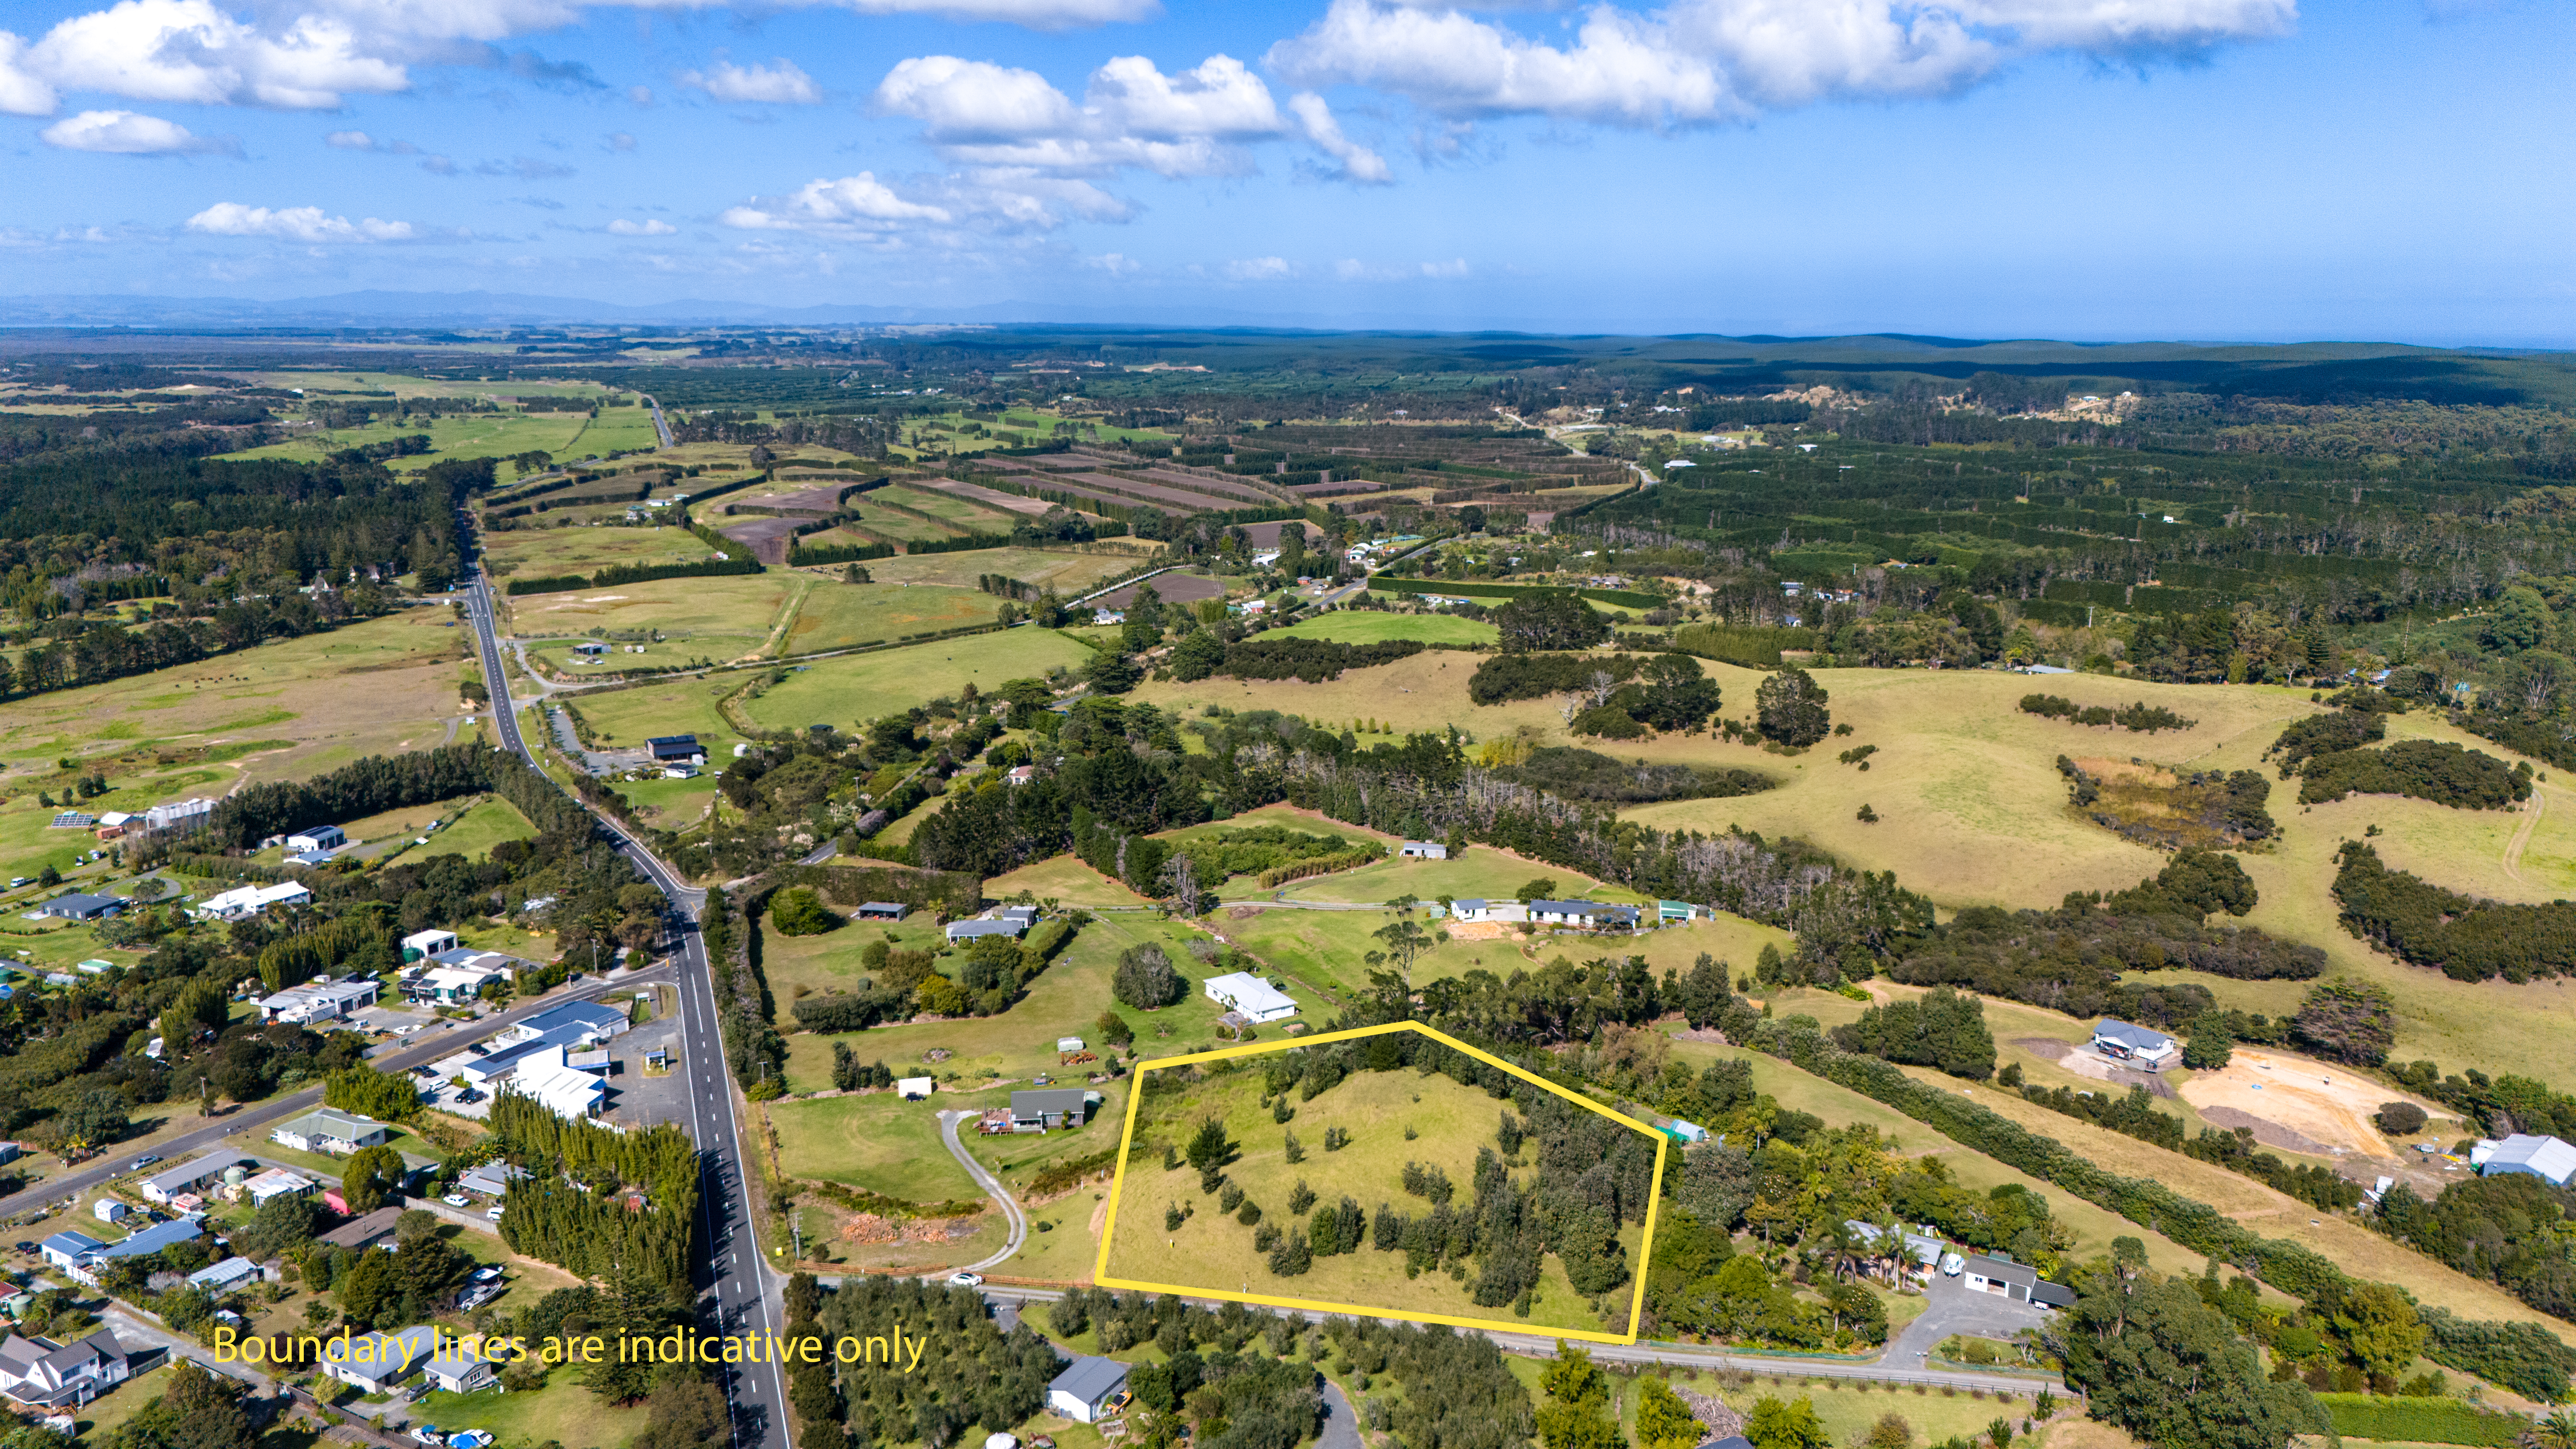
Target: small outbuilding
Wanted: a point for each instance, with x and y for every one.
(913, 1089)
(881, 910)
(1423, 850)
(320, 837)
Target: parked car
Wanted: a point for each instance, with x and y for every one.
(457, 1199)
(146, 1160)
(494, 1213)
(487, 1274)
(965, 1280)
(470, 1439)
(24, 1247)
(428, 1434)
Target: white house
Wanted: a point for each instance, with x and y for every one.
(330, 1130)
(459, 1367)
(227, 1275)
(275, 1183)
(1255, 998)
(2123, 1042)
(39, 1373)
(243, 902)
(549, 1078)
(1083, 1391)
(1483, 910)
(1591, 915)
(321, 1000)
(69, 1250)
(376, 1362)
(187, 1177)
(2546, 1158)
(1008, 921)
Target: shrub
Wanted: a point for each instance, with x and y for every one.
(1145, 978)
(2400, 1119)
(800, 912)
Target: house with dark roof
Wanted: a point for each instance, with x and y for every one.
(2017, 1281)
(80, 907)
(1043, 1110)
(38, 1373)
(683, 749)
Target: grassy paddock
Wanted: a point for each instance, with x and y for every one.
(864, 686)
(547, 552)
(875, 1141)
(1063, 570)
(836, 616)
(1211, 1250)
(1363, 626)
(721, 618)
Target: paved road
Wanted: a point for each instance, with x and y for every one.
(661, 429)
(992, 1186)
(400, 1055)
(736, 1282)
(1542, 1345)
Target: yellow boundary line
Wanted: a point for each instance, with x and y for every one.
(1127, 1137)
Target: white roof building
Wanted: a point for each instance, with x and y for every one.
(2546, 1158)
(549, 1079)
(321, 1000)
(246, 901)
(1255, 998)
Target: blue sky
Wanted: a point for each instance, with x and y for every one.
(2093, 169)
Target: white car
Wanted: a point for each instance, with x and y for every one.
(483, 1275)
(965, 1280)
(457, 1199)
(494, 1213)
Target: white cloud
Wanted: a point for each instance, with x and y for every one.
(1352, 269)
(1359, 163)
(782, 83)
(125, 133)
(852, 203)
(21, 92)
(1133, 116)
(295, 223)
(618, 141)
(1260, 269)
(191, 51)
(350, 141)
(1707, 61)
(1114, 264)
(639, 95)
(623, 227)
(1035, 14)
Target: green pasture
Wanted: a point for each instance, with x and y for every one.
(858, 687)
(548, 552)
(875, 1140)
(838, 615)
(1064, 570)
(625, 718)
(721, 618)
(1367, 626)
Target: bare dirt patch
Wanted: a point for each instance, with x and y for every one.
(2326, 1105)
(877, 1228)
(2266, 1131)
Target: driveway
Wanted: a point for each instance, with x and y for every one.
(1954, 1308)
(1011, 1214)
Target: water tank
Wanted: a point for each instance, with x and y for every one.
(236, 1175)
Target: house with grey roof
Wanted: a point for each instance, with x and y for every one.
(2123, 1042)
(1042, 1110)
(377, 1361)
(2546, 1158)
(330, 1130)
(1083, 1391)
(188, 1176)
(38, 1373)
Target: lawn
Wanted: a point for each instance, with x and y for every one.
(901, 527)
(1064, 878)
(838, 615)
(1367, 626)
(546, 552)
(671, 804)
(864, 686)
(874, 1140)
(563, 1412)
(487, 824)
(1065, 1000)
(1213, 1251)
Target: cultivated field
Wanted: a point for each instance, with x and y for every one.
(1213, 1251)
(1068, 573)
